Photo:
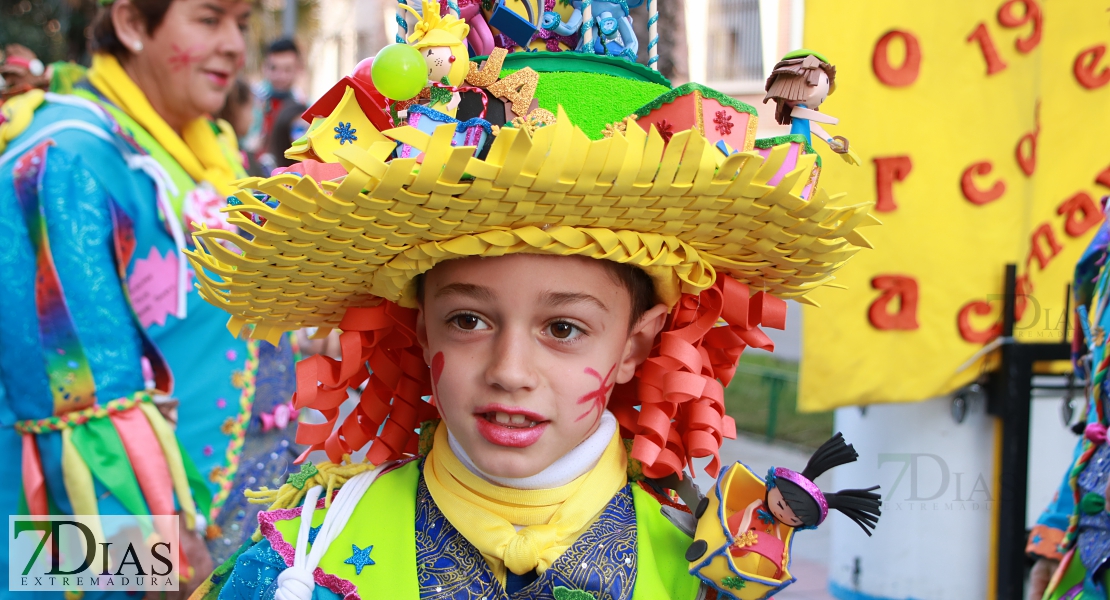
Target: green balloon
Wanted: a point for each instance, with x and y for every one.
(399, 72)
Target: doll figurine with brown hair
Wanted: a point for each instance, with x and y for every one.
(798, 84)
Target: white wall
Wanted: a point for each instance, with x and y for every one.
(934, 538)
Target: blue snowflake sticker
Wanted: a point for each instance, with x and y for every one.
(344, 133)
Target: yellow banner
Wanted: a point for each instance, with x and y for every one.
(984, 126)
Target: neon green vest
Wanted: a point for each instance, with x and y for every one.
(386, 515)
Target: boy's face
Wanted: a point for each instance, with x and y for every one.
(525, 350)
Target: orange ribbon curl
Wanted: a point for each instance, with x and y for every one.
(680, 387)
(391, 407)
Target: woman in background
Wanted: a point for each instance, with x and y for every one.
(107, 345)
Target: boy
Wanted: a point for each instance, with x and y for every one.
(557, 321)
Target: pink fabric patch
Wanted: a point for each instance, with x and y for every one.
(152, 286)
(266, 520)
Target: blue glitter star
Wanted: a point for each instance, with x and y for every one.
(359, 558)
(312, 533)
(344, 133)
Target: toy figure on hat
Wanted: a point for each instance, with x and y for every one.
(745, 529)
(542, 334)
(606, 26)
(442, 43)
(799, 84)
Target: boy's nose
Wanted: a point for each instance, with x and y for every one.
(511, 367)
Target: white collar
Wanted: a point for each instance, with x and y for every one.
(566, 469)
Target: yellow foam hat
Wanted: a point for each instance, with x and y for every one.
(680, 210)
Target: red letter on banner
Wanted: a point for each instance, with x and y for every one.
(975, 195)
(986, 45)
(1103, 178)
(1079, 203)
(888, 170)
(911, 66)
(1036, 252)
(1086, 64)
(894, 287)
(969, 333)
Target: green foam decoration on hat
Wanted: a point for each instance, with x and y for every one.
(564, 62)
(592, 100)
(804, 52)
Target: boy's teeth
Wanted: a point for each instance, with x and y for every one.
(518, 419)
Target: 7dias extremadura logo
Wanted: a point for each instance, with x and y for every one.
(89, 552)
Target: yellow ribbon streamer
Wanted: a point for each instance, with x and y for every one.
(484, 513)
(173, 460)
(78, 482)
(197, 149)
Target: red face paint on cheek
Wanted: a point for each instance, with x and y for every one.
(182, 58)
(437, 371)
(596, 398)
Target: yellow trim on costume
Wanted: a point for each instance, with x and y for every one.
(673, 209)
(17, 113)
(78, 481)
(196, 149)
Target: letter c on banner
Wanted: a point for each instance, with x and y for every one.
(894, 287)
(969, 333)
(974, 194)
(911, 65)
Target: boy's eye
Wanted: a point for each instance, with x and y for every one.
(468, 322)
(563, 330)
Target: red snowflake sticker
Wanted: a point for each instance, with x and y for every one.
(722, 122)
(666, 130)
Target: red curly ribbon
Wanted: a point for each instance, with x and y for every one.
(379, 348)
(680, 387)
(673, 409)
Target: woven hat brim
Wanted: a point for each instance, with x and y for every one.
(680, 209)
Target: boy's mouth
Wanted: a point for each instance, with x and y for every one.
(511, 427)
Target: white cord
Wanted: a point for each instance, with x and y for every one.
(297, 582)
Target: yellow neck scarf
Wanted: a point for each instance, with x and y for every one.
(484, 513)
(197, 149)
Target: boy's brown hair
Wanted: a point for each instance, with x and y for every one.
(789, 80)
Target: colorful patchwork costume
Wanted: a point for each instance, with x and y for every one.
(571, 154)
(1075, 528)
(101, 328)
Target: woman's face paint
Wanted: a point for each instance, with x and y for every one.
(515, 356)
(187, 66)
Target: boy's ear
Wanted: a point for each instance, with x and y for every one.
(640, 341)
(422, 335)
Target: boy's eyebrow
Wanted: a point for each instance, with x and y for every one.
(564, 298)
(474, 291)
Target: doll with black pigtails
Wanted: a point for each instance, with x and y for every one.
(746, 526)
(794, 500)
